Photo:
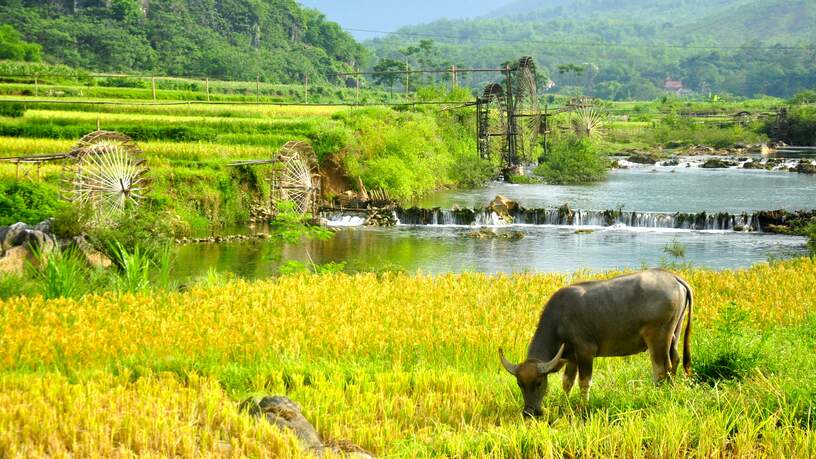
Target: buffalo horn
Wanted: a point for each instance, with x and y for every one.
(511, 368)
(545, 368)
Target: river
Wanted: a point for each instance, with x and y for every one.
(545, 248)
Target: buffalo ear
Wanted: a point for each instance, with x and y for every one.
(510, 367)
(544, 368)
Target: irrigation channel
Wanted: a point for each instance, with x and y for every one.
(646, 203)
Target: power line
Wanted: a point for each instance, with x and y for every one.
(585, 44)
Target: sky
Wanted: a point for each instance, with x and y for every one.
(392, 14)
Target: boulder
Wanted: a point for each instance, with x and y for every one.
(487, 233)
(282, 412)
(17, 241)
(804, 167)
(14, 260)
(643, 159)
(503, 207)
(93, 257)
(718, 163)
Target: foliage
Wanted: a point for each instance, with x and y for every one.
(766, 48)
(572, 160)
(12, 109)
(409, 154)
(12, 46)
(59, 273)
(27, 202)
(679, 130)
(276, 40)
(134, 268)
(799, 127)
(378, 360)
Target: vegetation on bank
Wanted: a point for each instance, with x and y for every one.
(407, 153)
(375, 359)
(571, 160)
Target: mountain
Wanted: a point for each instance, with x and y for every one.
(277, 40)
(622, 49)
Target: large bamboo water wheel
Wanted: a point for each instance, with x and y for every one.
(105, 172)
(492, 122)
(526, 113)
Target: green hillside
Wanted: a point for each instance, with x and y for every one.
(626, 49)
(278, 40)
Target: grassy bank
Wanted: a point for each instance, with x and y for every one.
(377, 360)
(188, 148)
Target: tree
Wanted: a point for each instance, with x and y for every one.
(12, 46)
(390, 72)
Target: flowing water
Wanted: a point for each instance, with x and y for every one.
(648, 200)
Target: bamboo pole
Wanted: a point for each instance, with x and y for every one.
(258, 88)
(153, 86)
(207, 88)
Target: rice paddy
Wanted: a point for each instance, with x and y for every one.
(402, 365)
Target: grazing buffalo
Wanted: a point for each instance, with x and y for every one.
(616, 317)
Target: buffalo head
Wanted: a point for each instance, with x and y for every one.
(531, 376)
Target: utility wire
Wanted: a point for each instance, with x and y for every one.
(584, 44)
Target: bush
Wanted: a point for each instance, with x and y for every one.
(12, 109)
(22, 201)
(573, 160)
(59, 274)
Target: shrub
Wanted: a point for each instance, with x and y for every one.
(22, 201)
(12, 109)
(59, 274)
(573, 160)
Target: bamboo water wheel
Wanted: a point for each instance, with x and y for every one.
(526, 113)
(105, 171)
(296, 177)
(492, 122)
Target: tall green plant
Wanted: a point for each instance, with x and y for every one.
(58, 274)
(134, 268)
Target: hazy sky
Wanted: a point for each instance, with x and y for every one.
(393, 14)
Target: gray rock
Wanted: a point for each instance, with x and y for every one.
(20, 234)
(286, 414)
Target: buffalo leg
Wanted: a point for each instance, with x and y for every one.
(569, 376)
(584, 376)
(659, 352)
(674, 356)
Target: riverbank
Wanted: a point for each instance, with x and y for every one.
(376, 359)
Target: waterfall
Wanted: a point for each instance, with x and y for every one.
(580, 218)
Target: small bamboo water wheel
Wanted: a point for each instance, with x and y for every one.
(105, 171)
(296, 177)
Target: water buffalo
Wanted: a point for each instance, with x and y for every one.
(621, 316)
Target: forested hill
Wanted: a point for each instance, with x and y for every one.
(627, 48)
(228, 39)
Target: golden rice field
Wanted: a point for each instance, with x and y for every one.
(402, 365)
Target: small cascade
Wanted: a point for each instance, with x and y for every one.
(559, 217)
